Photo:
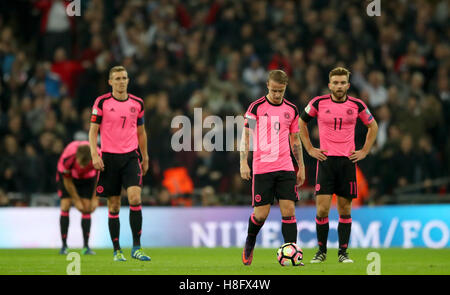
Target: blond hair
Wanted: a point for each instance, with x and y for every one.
(278, 76)
(116, 69)
(339, 71)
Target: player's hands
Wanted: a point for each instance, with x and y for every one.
(144, 166)
(77, 203)
(356, 156)
(317, 154)
(97, 162)
(245, 171)
(300, 176)
(94, 203)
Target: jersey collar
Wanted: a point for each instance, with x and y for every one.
(128, 96)
(346, 98)
(276, 105)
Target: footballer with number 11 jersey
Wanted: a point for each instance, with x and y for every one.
(336, 115)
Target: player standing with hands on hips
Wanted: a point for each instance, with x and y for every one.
(336, 114)
(273, 123)
(119, 116)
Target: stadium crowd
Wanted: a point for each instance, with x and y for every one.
(215, 55)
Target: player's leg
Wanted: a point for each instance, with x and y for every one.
(288, 221)
(86, 225)
(132, 180)
(324, 189)
(65, 204)
(344, 206)
(346, 192)
(114, 226)
(255, 223)
(323, 204)
(134, 199)
(286, 192)
(86, 189)
(262, 199)
(109, 185)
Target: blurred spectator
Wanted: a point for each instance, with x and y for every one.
(56, 26)
(68, 70)
(404, 159)
(376, 90)
(11, 166)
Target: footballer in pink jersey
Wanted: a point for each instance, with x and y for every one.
(272, 123)
(76, 178)
(337, 114)
(119, 117)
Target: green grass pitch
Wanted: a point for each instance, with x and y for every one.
(222, 261)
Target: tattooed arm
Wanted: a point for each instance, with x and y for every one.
(297, 151)
(244, 148)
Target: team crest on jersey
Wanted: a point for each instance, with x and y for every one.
(287, 115)
(349, 112)
(133, 109)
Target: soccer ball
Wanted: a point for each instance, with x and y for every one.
(290, 254)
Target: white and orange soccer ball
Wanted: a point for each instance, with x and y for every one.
(290, 254)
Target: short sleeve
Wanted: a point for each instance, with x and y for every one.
(250, 118)
(365, 115)
(294, 125)
(97, 112)
(309, 112)
(140, 119)
(68, 164)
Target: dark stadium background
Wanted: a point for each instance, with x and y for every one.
(215, 54)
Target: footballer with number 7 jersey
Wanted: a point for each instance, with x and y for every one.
(336, 114)
(119, 116)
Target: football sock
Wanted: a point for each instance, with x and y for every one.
(64, 226)
(136, 223)
(86, 227)
(114, 229)
(289, 229)
(322, 228)
(344, 229)
(254, 227)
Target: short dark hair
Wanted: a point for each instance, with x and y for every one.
(278, 76)
(83, 154)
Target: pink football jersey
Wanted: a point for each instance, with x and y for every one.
(271, 125)
(337, 121)
(118, 121)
